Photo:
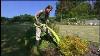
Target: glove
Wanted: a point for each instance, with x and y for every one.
(47, 21)
(38, 23)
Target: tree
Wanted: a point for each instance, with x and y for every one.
(63, 8)
(97, 8)
(81, 11)
(78, 9)
(4, 20)
(23, 18)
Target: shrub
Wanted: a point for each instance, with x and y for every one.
(48, 49)
(51, 52)
(73, 46)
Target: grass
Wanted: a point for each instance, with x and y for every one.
(17, 40)
(90, 33)
(13, 40)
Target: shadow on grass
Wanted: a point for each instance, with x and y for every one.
(35, 50)
(16, 42)
(30, 38)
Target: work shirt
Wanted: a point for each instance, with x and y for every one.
(43, 16)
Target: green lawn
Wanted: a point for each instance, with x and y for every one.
(90, 33)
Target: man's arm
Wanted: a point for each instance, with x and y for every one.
(37, 15)
(47, 21)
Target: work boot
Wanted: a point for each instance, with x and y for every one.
(37, 42)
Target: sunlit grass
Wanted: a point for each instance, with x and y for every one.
(90, 33)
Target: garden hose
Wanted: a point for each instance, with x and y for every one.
(51, 30)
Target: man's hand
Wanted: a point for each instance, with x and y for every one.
(47, 21)
(38, 22)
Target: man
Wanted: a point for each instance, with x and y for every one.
(42, 18)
